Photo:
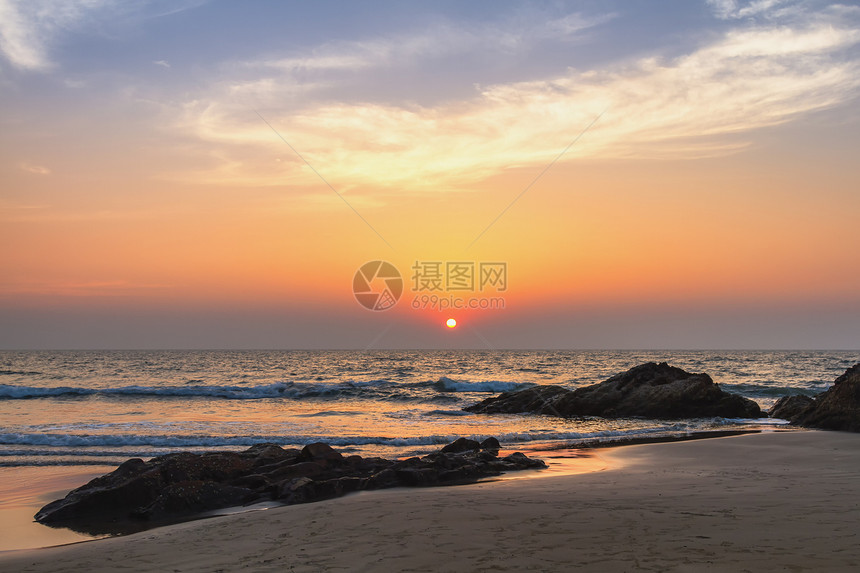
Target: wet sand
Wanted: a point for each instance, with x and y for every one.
(760, 502)
(24, 490)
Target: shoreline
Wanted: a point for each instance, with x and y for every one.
(765, 500)
(16, 514)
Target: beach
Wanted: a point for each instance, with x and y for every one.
(760, 502)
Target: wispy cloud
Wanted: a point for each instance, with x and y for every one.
(29, 29)
(34, 169)
(17, 41)
(774, 10)
(439, 40)
(162, 63)
(703, 103)
(735, 9)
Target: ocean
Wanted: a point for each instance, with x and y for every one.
(100, 408)
(66, 416)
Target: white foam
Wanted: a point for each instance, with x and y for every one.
(275, 390)
(185, 441)
(446, 384)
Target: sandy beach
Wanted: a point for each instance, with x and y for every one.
(759, 502)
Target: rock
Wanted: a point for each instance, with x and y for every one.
(519, 460)
(104, 501)
(267, 453)
(129, 468)
(533, 400)
(179, 486)
(190, 497)
(268, 466)
(137, 489)
(491, 445)
(320, 452)
(649, 390)
(301, 469)
(417, 476)
(789, 407)
(461, 445)
(287, 490)
(837, 408)
(383, 479)
(306, 490)
(255, 482)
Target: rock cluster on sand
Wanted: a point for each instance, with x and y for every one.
(176, 486)
(649, 390)
(838, 408)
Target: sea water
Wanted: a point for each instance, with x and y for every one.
(97, 408)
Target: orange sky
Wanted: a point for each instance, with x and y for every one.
(719, 180)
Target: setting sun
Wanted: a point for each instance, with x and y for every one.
(451, 323)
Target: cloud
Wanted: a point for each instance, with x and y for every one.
(766, 9)
(703, 103)
(18, 40)
(162, 63)
(699, 104)
(439, 40)
(29, 29)
(572, 25)
(34, 169)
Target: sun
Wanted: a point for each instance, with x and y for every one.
(451, 323)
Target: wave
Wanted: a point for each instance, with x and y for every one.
(110, 462)
(18, 373)
(761, 390)
(59, 449)
(65, 441)
(445, 384)
(198, 441)
(448, 413)
(7, 391)
(383, 388)
(327, 413)
(82, 453)
(276, 390)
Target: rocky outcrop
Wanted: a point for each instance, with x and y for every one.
(649, 390)
(837, 408)
(174, 487)
(789, 407)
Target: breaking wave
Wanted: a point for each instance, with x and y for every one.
(384, 389)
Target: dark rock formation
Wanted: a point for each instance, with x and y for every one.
(461, 445)
(179, 486)
(648, 390)
(789, 407)
(838, 408)
(491, 445)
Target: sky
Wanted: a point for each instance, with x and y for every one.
(665, 174)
